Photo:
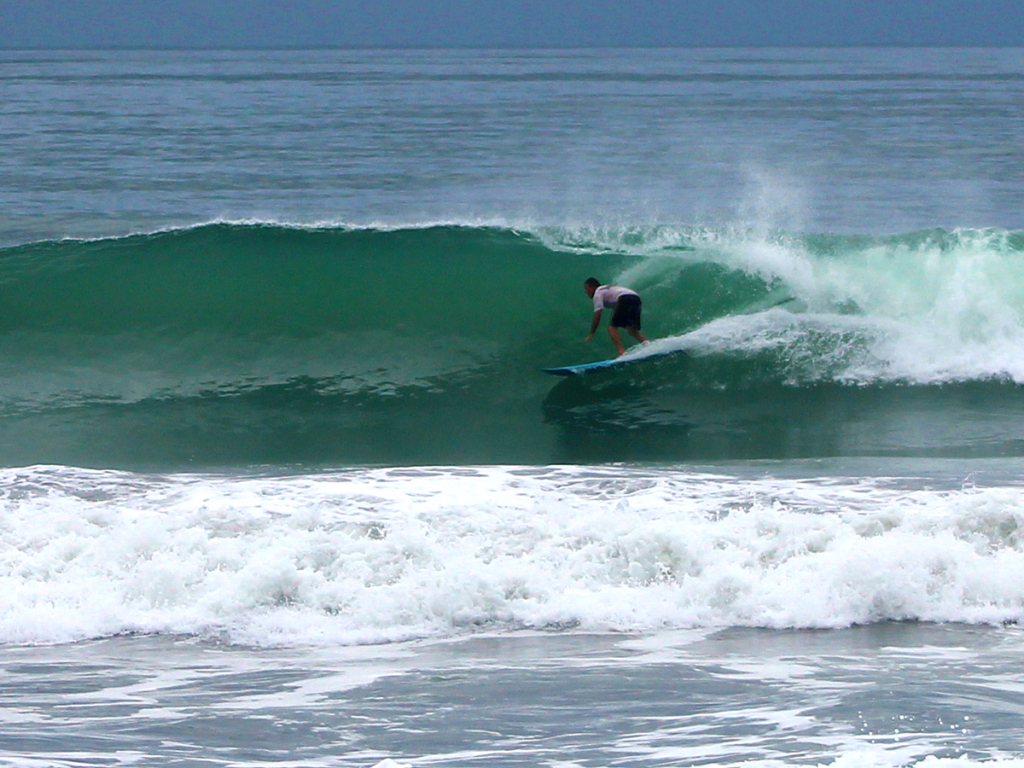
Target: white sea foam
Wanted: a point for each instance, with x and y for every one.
(377, 555)
(914, 309)
(879, 759)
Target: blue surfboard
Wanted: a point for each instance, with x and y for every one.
(576, 370)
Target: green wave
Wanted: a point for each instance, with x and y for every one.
(263, 343)
(227, 303)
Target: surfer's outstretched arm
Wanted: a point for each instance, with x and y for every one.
(593, 325)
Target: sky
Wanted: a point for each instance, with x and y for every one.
(506, 23)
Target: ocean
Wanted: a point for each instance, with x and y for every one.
(283, 483)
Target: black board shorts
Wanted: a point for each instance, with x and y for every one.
(627, 312)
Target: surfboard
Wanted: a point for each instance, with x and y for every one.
(576, 370)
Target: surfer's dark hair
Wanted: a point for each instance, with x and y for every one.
(592, 281)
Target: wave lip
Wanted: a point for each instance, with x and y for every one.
(382, 555)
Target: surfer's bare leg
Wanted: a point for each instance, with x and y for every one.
(635, 333)
(616, 339)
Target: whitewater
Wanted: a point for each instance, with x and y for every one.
(368, 556)
(282, 482)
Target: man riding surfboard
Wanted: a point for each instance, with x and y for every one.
(626, 304)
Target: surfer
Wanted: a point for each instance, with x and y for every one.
(626, 315)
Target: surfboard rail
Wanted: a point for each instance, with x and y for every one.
(627, 359)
